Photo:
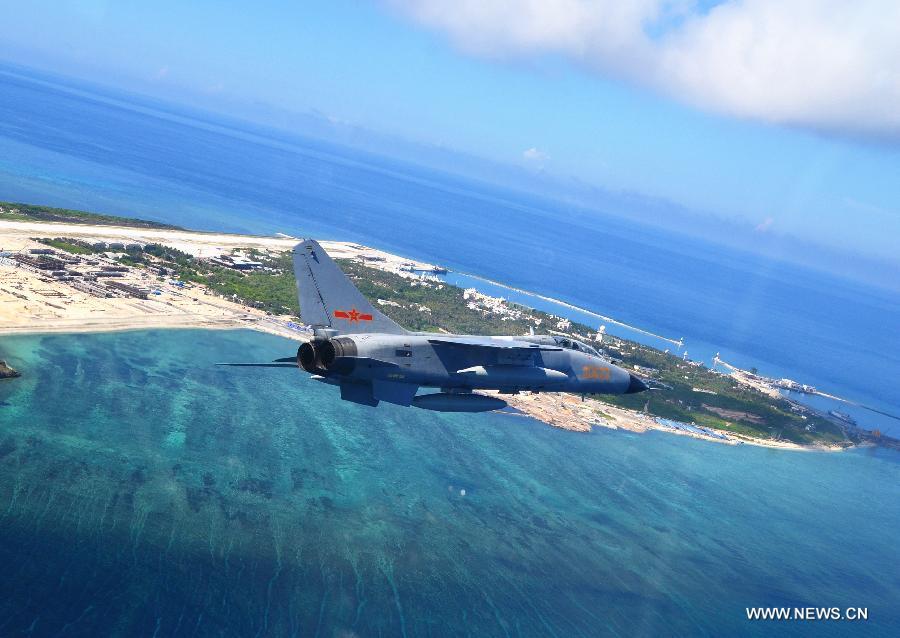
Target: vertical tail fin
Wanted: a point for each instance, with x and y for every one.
(328, 299)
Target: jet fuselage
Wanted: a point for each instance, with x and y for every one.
(468, 363)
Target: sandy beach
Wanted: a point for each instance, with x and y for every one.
(32, 302)
(15, 235)
(569, 412)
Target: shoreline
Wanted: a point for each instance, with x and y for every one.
(132, 324)
(557, 410)
(565, 304)
(32, 303)
(569, 412)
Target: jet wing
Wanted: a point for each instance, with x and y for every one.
(488, 342)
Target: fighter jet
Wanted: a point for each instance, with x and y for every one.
(372, 359)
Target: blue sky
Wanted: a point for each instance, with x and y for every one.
(515, 91)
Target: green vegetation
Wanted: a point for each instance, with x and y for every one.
(448, 311)
(29, 212)
(718, 400)
(274, 293)
(69, 246)
(272, 289)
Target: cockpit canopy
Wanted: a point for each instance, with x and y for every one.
(574, 344)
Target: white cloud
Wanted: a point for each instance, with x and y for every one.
(822, 64)
(765, 225)
(534, 155)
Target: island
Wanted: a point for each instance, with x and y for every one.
(72, 271)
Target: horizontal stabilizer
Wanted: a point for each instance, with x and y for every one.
(395, 392)
(358, 392)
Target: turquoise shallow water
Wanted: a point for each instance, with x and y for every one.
(145, 492)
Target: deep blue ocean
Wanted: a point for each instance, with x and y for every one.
(146, 492)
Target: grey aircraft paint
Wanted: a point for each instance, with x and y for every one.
(372, 359)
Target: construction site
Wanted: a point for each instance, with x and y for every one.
(45, 289)
(57, 277)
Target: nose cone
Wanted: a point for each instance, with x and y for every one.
(635, 385)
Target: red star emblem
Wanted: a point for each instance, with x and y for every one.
(353, 316)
